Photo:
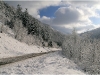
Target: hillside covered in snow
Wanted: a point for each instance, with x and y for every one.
(28, 29)
(10, 47)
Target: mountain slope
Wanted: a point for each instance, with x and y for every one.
(93, 33)
(25, 25)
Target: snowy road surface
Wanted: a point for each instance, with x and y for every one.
(9, 60)
(52, 63)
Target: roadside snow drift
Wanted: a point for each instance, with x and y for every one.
(10, 47)
(52, 63)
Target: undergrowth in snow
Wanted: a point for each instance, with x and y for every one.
(10, 47)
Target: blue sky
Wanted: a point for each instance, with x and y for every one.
(95, 20)
(64, 15)
(49, 11)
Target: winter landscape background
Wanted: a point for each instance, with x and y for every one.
(31, 45)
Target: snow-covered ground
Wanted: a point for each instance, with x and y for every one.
(10, 47)
(52, 63)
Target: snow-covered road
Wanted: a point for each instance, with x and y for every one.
(52, 63)
(4, 61)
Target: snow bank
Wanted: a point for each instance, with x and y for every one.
(10, 47)
(52, 63)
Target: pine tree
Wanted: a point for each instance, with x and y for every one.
(19, 12)
(25, 18)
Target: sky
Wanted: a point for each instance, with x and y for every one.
(64, 15)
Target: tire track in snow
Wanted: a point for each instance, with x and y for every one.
(9, 60)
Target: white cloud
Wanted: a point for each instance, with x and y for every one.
(66, 15)
(46, 20)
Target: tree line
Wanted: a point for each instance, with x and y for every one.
(84, 51)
